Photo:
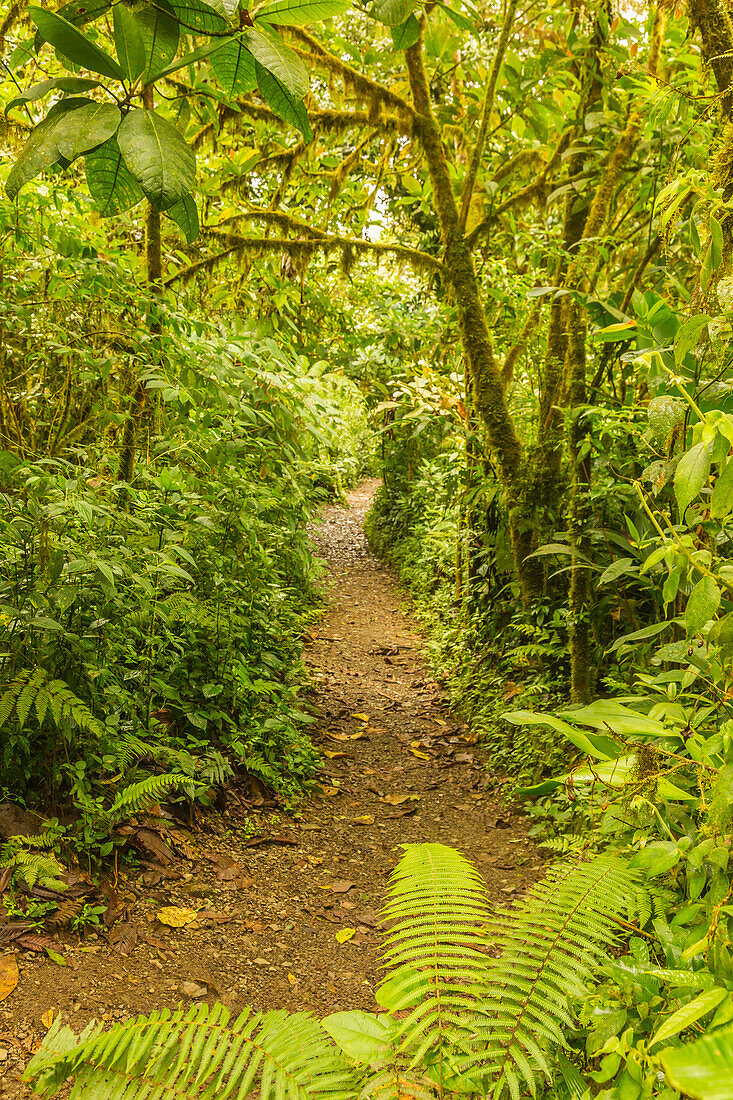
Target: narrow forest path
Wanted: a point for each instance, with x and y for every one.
(288, 912)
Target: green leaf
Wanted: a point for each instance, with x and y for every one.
(687, 336)
(692, 473)
(296, 13)
(285, 105)
(622, 719)
(190, 58)
(59, 84)
(79, 13)
(128, 41)
(618, 569)
(364, 1036)
(604, 748)
(41, 150)
(703, 1069)
(160, 34)
(656, 858)
(86, 128)
(664, 415)
(271, 52)
(186, 217)
(392, 12)
(73, 44)
(406, 34)
(713, 253)
(158, 158)
(704, 601)
(194, 15)
(721, 500)
(687, 1015)
(234, 66)
(110, 182)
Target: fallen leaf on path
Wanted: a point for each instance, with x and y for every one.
(363, 819)
(345, 934)
(404, 812)
(419, 755)
(123, 938)
(54, 956)
(5, 876)
(378, 729)
(345, 736)
(217, 918)
(342, 886)
(33, 942)
(175, 917)
(361, 717)
(151, 941)
(47, 1019)
(330, 792)
(398, 799)
(332, 755)
(9, 975)
(292, 979)
(280, 838)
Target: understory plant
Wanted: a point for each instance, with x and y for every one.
(473, 1001)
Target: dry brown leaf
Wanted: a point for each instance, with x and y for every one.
(9, 975)
(47, 1018)
(363, 819)
(123, 938)
(419, 755)
(398, 799)
(342, 886)
(345, 736)
(332, 755)
(175, 917)
(217, 918)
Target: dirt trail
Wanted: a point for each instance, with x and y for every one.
(400, 768)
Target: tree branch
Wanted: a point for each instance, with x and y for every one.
(478, 150)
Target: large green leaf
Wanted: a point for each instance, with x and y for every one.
(296, 13)
(190, 58)
(656, 858)
(703, 1069)
(110, 182)
(393, 12)
(186, 217)
(234, 66)
(689, 1014)
(688, 335)
(41, 150)
(158, 157)
(58, 84)
(604, 748)
(609, 713)
(86, 128)
(364, 1036)
(194, 15)
(285, 105)
(77, 12)
(160, 34)
(406, 34)
(128, 41)
(70, 42)
(271, 52)
(704, 601)
(721, 501)
(692, 473)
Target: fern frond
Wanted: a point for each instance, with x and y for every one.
(146, 792)
(437, 902)
(551, 944)
(130, 748)
(33, 867)
(198, 1054)
(34, 688)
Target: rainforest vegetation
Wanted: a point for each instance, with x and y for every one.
(484, 253)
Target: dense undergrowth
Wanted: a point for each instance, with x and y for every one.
(152, 623)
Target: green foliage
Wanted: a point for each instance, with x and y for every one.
(458, 1018)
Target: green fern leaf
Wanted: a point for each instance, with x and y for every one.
(437, 902)
(551, 944)
(41, 704)
(7, 703)
(199, 1054)
(144, 793)
(26, 697)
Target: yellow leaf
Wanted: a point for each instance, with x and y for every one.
(9, 975)
(419, 755)
(364, 819)
(330, 791)
(176, 917)
(332, 755)
(47, 1019)
(345, 934)
(292, 979)
(361, 717)
(398, 799)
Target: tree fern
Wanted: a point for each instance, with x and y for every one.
(198, 1053)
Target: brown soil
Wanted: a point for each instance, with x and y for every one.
(400, 768)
